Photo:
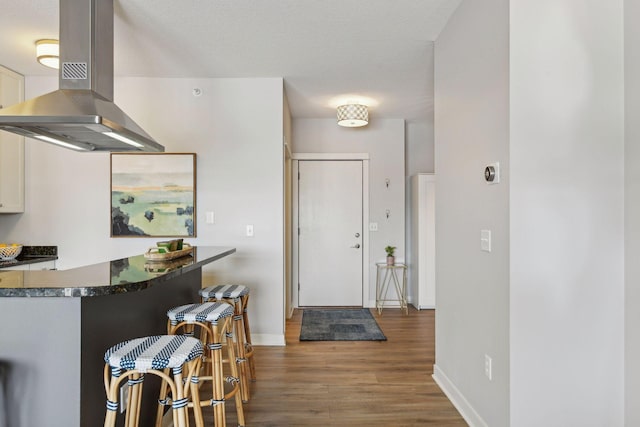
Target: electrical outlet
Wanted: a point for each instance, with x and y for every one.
(124, 397)
(488, 367)
(373, 226)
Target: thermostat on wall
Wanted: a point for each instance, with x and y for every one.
(492, 173)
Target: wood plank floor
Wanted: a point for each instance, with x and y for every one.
(355, 383)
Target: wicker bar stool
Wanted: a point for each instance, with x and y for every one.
(156, 355)
(213, 319)
(238, 296)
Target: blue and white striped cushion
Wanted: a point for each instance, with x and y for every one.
(224, 291)
(201, 312)
(155, 352)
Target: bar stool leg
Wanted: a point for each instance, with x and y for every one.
(216, 370)
(247, 345)
(195, 397)
(235, 379)
(238, 328)
(179, 412)
(184, 390)
(111, 383)
(135, 383)
(162, 399)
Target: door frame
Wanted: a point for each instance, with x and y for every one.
(366, 257)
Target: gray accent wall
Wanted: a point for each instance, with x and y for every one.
(471, 131)
(539, 87)
(632, 212)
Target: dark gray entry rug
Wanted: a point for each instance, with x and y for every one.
(339, 325)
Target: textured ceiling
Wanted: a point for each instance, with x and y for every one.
(380, 50)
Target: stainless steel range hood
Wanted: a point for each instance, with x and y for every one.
(81, 115)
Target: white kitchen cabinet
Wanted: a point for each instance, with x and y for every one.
(44, 265)
(35, 266)
(423, 244)
(11, 147)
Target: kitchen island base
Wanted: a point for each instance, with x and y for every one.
(56, 360)
(52, 348)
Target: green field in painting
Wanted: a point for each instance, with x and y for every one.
(163, 204)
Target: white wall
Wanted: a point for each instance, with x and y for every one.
(419, 158)
(471, 131)
(567, 201)
(384, 141)
(287, 210)
(632, 212)
(419, 147)
(240, 173)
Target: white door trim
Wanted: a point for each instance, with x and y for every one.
(366, 256)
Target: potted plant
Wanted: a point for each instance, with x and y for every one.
(391, 259)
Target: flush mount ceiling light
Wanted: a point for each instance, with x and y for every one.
(48, 53)
(353, 115)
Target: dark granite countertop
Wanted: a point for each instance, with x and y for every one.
(129, 274)
(32, 255)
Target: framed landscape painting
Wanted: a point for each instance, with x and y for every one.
(153, 195)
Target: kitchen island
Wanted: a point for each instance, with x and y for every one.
(56, 326)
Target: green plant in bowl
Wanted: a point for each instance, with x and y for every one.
(164, 247)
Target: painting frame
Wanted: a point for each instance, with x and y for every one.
(153, 195)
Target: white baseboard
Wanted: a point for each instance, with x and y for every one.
(268, 339)
(457, 399)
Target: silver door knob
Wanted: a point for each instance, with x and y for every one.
(357, 246)
(357, 234)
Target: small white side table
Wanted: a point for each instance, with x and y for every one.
(385, 275)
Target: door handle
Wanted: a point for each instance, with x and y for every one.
(357, 246)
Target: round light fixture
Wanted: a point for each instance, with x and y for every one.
(48, 53)
(353, 115)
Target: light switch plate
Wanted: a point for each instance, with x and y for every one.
(485, 240)
(249, 230)
(210, 218)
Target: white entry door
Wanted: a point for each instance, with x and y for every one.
(330, 236)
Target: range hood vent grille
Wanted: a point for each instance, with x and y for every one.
(81, 114)
(74, 70)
